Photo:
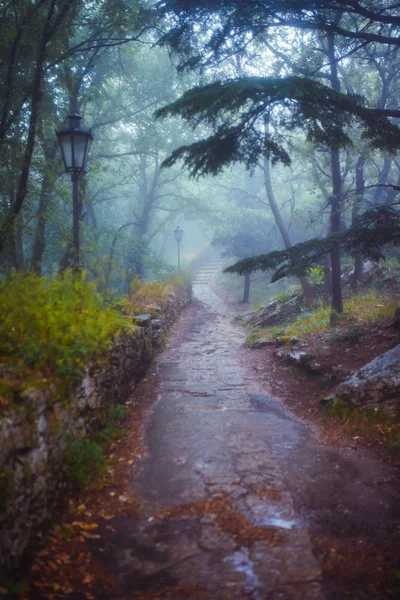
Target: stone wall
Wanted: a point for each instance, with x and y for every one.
(33, 432)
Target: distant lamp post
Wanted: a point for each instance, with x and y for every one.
(178, 233)
(75, 144)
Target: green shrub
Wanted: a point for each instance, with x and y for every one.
(84, 461)
(253, 336)
(316, 275)
(351, 334)
(55, 325)
(282, 297)
(112, 429)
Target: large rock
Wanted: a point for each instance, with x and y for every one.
(376, 385)
(275, 312)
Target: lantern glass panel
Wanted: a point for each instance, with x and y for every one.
(88, 144)
(79, 151)
(66, 147)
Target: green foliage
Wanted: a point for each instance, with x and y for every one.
(14, 587)
(316, 275)
(350, 334)
(235, 109)
(253, 336)
(369, 422)
(396, 446)
(84, 461)
(360, 308)
(55, 325)
(112, 429)
(282, 297)
(374, 230)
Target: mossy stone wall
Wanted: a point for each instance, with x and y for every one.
(34, 431)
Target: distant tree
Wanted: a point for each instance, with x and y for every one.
(244, 234)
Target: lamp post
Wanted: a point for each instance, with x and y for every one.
(75, 144)
(178, 233)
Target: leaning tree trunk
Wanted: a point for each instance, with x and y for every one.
(308, 290)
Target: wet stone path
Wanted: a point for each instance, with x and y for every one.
(232, 482)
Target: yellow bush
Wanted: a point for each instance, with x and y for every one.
(54, 325)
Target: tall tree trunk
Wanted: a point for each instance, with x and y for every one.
(308, 290)
(39, 243)
(337, 299)
(69, 255)
(336, 197)
(355, 215)
(246, 289)
(326, 260)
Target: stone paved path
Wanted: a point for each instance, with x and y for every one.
(232, 482)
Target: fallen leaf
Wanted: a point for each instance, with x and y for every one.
(85, 526)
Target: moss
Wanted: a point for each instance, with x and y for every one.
(253, 336)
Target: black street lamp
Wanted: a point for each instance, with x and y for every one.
(75, 145)
(178, 233)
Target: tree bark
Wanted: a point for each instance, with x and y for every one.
(48, 31)
(336, 197)
(308, 290)
(360, 183)
(337, 299)
(246, 289)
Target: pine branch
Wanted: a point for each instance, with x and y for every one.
(374, 230)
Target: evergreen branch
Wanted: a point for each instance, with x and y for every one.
(375, 229)
(235, 109)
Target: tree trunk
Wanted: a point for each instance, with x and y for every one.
(337, 299)
(246, 290)
(327, 284)
(336, 197)
(39, 243)
(360, 182)
(308, 290)
(69, 256)
(36, 96)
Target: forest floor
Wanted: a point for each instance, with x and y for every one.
(228, 484)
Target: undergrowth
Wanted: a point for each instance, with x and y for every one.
(372, 423)
(54, 325)
(84, 461)
(51, 327)
(359, 309)
(84, 458)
